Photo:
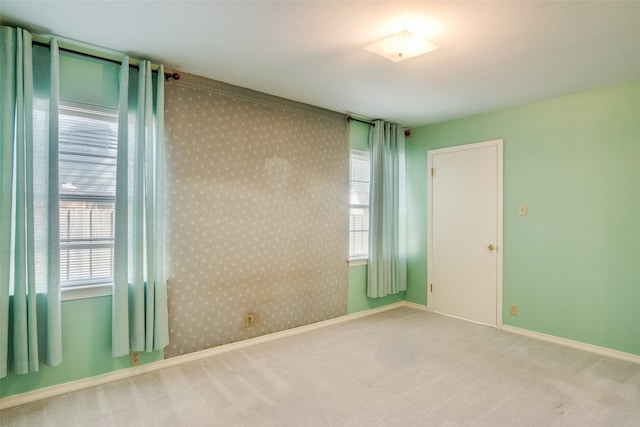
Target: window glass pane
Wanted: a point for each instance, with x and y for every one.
(360, 168)
(359, 231)
(88, 146)
(359, 205)
(359, 193)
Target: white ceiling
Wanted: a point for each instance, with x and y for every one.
(492, 54)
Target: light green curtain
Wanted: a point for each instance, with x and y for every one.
(140, 318)
(30, 323)
(387, 265)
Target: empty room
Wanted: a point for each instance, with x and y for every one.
(319, 213)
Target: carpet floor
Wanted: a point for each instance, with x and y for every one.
(403, 367)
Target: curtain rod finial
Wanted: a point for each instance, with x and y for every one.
(174, 76)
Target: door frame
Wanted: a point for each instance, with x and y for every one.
(498, 143)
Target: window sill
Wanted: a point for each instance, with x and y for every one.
(354, 262)
(90, 291)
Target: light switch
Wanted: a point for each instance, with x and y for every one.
(522, 209)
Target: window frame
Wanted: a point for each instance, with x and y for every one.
(90, 288)
(360, 258)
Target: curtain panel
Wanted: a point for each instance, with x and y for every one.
(30, 322)
(387, 266)
(140, 313)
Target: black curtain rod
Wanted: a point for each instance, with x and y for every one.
(407, 131)
(167, 76)
(353, 119)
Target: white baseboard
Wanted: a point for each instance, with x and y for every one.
(59, 389)
(414, 305)
(603, 351)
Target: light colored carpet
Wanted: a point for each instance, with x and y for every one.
(404, 367)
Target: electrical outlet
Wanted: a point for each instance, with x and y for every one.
(522, 209)
(248, 320)
(134, 358)
(513, 310)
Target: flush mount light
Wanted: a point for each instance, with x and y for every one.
(400, 46)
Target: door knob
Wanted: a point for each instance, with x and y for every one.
(491, 247)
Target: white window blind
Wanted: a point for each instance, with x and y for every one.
(87, 172)
(359, 205)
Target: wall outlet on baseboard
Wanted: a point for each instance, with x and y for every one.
(513, 310)
(134, 358)
(249, 320)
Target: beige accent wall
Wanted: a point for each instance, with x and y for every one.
(258, 213)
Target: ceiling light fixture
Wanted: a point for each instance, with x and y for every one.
(400, 46)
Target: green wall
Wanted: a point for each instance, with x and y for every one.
(358, 299)
(86, 349)
(572, 265)
(359, 136)
(89, 80)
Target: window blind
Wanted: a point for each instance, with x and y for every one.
(88, 140)
(359, 205)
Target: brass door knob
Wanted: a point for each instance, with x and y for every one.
(491, 247)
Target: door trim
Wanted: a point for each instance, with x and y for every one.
(493, 143)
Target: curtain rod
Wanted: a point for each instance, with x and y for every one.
(353, 119)
(167, 76)
(407, 131)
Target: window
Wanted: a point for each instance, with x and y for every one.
(88, 140)
(359, 205)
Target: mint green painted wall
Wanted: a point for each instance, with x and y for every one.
(357, 297)
(572, 265)
(87, 80)
(359, 136)
(86, 349)
(416, 169)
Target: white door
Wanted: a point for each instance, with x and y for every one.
(465, 232)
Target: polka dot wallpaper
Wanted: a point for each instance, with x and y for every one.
(258, 213)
